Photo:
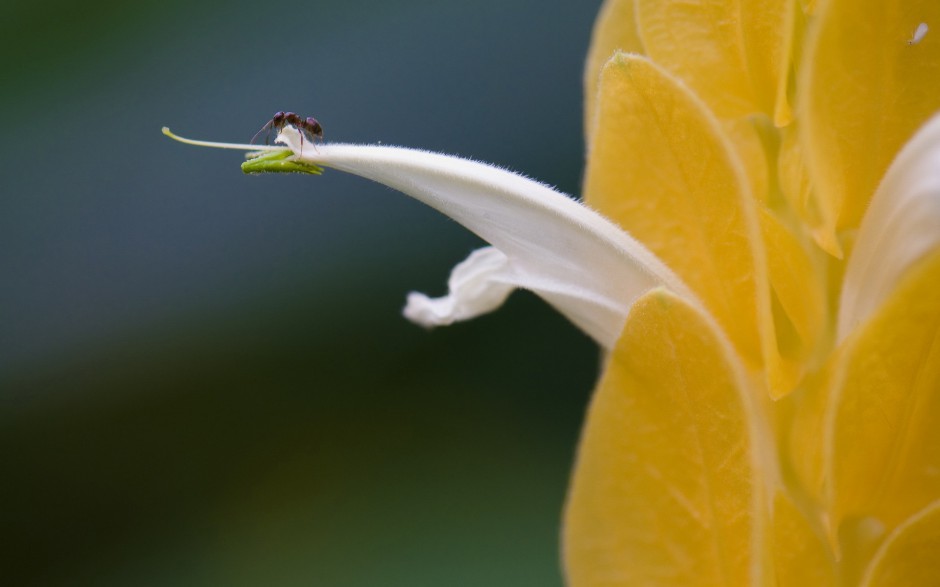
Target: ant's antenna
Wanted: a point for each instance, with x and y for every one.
(267, 127)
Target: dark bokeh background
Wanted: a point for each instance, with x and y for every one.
(204, 377)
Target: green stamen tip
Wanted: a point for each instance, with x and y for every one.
(278, 162)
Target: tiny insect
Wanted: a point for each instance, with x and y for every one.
(919, 34)
(309, 127)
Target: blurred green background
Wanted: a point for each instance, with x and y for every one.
(205, 376)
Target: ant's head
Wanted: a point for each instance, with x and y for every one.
(279, 117)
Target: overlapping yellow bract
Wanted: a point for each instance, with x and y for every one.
(615, 31)
(746, 48)
(694, 208)
(864, 443)
(740, 49)
(669, 451)
(796, 279)
(691, 201)
(863, 91)
(882, 438)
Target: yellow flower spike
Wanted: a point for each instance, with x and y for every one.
(862, 93)
(909, 555)
(669, 485)
(614, 30)
(662, 168)
(731, 52)
(881, 442)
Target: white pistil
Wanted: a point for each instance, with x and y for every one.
(235, 146)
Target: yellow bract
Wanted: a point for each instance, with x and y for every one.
(800, 554)
(797, 188)
(797, 279)
(691, 204)
(615, 30)
(667, 488)
(863, 92)
(883, 440)
(864, 441)
(733, 53)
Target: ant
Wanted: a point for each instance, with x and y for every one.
(308, 127)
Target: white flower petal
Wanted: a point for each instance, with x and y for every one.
(573, 257)
(901, 225)
(478, 285)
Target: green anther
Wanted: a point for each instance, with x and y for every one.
(278, 162)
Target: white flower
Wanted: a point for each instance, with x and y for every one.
(542, 240)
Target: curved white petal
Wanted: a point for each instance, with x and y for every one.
(478, 285)
(573, 257)
(901, 225)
